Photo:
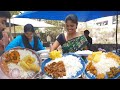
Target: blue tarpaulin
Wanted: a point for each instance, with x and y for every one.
(83, 16)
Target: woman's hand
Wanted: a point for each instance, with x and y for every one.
(54, 46)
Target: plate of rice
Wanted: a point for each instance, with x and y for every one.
(84, 52)
(103, 65)
(69, 66)
(20, 63)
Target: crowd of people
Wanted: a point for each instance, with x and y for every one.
(71, 41)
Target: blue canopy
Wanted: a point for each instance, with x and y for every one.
(83, 16)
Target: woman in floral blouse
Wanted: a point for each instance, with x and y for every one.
(70, 41)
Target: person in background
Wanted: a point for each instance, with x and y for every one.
(70, 41)
(26, 40)
(89, 45)
(4, 37)
(49, 40)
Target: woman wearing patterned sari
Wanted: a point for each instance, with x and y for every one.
(70, 41)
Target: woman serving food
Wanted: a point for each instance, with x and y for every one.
(27, 40)
(70, 41)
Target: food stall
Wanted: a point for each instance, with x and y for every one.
(22, 63)
(19, 63)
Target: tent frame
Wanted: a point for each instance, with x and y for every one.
(116, 33)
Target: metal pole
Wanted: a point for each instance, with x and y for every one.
(14, 31)
(116, 31)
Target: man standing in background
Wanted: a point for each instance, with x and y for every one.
(89, 45)
(4, 38)
(49, 40)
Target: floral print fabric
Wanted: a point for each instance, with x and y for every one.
(74, 44)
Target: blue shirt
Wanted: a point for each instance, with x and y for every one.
(19, 42)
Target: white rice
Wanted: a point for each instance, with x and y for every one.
(104, 64)
(72, 65)
(23, 74)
